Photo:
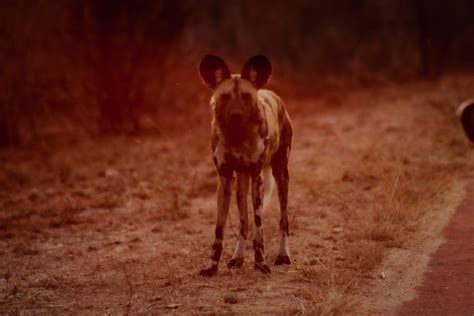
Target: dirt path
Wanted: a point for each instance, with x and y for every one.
(448, 286)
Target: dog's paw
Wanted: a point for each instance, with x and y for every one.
(212, 270)
(262, 267)
(280, 260)
(235, 263)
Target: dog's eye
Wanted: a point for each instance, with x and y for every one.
(246, 97)
(225, 97)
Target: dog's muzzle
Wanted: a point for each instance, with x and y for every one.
(236, 117)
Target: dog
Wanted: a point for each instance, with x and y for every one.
(465, 112)
(251, 138)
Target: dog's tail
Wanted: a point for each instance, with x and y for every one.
(268, 184)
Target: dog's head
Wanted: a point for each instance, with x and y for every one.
(235, 96)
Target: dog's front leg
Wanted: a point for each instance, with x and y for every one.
(242, 191)
(257, 199)
(224, 190)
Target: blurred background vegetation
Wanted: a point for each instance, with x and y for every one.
(86, 67)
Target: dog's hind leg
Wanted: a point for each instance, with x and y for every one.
(280, 172)
(268, 184)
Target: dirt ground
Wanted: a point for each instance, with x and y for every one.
(124, 224)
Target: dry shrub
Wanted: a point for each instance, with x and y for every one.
(364, 255)
(332, 295)
(67, 213)
(231, 298)
(179, 204)
(409, 190)
(399, 209)
(15, 177)
(175, 209)
(108, 201)
(142, 194)
(64, 170)
(24, 249)
(404, 195)
(336, 301)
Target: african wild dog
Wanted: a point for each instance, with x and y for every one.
(466, 114)
(251, 136)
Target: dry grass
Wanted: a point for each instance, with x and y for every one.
(122, 225)
(386, 193)
(333, 294)
(231, 298)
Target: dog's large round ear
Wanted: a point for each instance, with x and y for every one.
(213, 70)
(466, 114)
(257, 70)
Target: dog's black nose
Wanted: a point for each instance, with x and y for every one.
(236, 117)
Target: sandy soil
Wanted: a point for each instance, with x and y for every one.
(123, 225)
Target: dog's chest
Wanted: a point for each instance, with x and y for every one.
(248, 155)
